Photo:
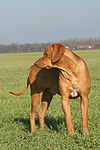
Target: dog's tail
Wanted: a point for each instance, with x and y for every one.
(23, 91)
(26, 86)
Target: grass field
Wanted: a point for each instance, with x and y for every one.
(14, 111)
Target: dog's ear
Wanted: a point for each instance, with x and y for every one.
(58, 52)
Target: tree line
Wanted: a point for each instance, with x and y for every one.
(39, 47)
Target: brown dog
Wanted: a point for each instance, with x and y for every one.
(77, 80)
(43, 84)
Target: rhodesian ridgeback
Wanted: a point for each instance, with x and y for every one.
(75, 81)
(43, 85)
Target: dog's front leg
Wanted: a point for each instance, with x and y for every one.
(67, 113)
(84, 111)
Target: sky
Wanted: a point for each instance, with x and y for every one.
(42, 21)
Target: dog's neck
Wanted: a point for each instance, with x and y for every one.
(71, 55)
(69, 63)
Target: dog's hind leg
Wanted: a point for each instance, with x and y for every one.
(35, 101)
(46, 99)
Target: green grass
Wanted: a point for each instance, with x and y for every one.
(14, 111)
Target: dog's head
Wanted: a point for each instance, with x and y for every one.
(51, 55)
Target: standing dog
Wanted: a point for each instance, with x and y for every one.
(76, 80)
(43, 85)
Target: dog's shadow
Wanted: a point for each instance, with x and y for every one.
(50, 122)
